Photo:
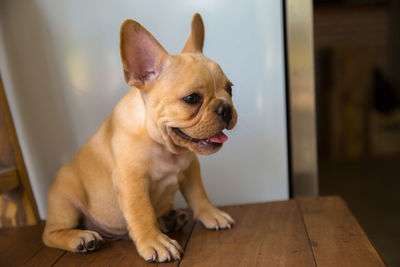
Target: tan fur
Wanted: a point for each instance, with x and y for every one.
(126, 175)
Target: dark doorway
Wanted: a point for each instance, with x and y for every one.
(357, 59)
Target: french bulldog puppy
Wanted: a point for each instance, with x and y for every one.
(122, 181)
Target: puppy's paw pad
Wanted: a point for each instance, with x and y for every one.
(171, 214)
(182, 219)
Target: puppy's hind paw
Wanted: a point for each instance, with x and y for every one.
(87, 241)
(173, 221)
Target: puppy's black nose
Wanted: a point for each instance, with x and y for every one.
(225, 112)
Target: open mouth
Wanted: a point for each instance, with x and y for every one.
(214, 141)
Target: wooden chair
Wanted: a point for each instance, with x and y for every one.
(17, 204)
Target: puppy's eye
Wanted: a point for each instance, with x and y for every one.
(192, 99)
(228, 88)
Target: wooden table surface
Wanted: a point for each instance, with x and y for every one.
(304, 232)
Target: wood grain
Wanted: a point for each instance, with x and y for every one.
(18, 245)
(18, 207)
(120, 253)
(8, 179)
(336, 237)
(306, 232)
(268, 234)
(45, 256)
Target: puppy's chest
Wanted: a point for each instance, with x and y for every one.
(166, 164)
(167, 172)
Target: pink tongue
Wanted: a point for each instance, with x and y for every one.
(219, 138)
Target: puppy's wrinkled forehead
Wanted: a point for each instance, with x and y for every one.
(195, 70)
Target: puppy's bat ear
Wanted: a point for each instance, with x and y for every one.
(142, 56)
(196, 39)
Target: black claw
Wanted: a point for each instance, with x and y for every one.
(166, 260)
(90, 245)
(80, 247)
(170, 225)
(172, 213)
(182, 216)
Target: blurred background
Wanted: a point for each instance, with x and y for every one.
(357, 70)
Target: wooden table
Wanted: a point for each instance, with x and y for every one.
(304, 232)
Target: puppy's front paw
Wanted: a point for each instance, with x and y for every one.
(159, 248)
(215, 219)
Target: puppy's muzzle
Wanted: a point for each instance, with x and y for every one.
(224, 111)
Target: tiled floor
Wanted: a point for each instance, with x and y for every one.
(372, 190)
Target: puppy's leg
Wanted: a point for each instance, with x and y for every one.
(62, 218)
(195, 195)
(133, 196)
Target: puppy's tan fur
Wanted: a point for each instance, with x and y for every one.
(125, 176)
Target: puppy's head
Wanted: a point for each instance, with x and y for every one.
(187, 96)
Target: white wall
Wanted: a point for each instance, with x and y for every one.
(62, 73)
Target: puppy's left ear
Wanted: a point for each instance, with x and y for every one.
(141, 54)
(196, 39)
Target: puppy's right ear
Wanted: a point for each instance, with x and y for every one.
(142, 56)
